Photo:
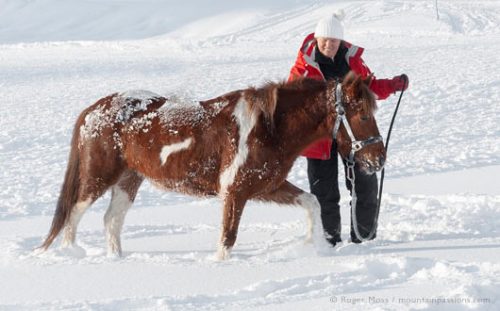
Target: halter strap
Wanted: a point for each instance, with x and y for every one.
(339, 107)
(356, 145)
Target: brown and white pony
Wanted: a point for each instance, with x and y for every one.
(238, 146)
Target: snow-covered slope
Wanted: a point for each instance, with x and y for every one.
(438, 243)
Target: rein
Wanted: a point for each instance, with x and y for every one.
(382, 174)
(357, 145)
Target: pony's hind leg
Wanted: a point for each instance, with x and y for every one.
(91, 188)
(123, 195)
(292, 195)
(69, 231)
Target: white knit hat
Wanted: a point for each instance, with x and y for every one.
(331, 26)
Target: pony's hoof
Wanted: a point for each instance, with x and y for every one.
(114, 254)
(308, 239)
(223, 253)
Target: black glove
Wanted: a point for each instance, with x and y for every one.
(400, 83)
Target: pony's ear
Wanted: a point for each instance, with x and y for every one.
(368, 80)
(351, 79)
(358, 81)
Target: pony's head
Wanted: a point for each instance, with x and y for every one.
(358, 137)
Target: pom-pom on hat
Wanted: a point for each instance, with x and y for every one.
(331, 26)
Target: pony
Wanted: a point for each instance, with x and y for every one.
(239, 146)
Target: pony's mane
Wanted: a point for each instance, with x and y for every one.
(264, 99)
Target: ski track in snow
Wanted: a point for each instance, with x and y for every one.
(438, 238)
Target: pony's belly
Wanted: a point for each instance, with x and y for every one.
(197, 186)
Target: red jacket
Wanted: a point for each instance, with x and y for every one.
(306, 66)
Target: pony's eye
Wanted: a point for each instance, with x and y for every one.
(365, 118)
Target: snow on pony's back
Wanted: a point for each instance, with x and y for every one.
(123, 107)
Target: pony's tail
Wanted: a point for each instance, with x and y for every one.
(69, 192)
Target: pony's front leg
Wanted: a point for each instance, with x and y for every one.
(233, 208)
(292, 195)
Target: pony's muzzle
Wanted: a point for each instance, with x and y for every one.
(371, 166)
(380, 163)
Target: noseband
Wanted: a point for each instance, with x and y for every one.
(356, 145)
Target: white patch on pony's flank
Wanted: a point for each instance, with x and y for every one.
(167, 150)
(114, 218)
(315, 226)
(77, 211)
(246, 121)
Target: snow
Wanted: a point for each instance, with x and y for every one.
(438, 242)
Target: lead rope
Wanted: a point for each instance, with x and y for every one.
(352, 178)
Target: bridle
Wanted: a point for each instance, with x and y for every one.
(356, 145)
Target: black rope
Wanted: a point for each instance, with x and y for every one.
(382, 174)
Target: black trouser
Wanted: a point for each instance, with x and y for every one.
(323, 181)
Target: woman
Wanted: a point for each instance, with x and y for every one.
(325, 55)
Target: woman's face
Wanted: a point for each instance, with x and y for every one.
(328, 46)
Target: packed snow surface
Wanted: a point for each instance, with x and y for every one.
(438, 245)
